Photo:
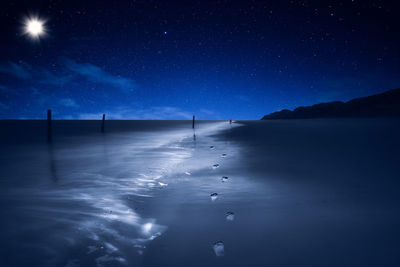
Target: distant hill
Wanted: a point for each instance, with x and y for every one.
(386, 104)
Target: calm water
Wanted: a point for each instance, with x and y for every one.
(160, 194)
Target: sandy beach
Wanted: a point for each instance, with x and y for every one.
(158, 193)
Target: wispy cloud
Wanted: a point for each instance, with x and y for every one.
(23, 70)
(68, 102)
(41, 98)
(44, 99)
(155, 113)
(207, 111)
(71, 71)
(96, 74)
(47, 77)
(20, 70)
(163, 113)
(90, 116)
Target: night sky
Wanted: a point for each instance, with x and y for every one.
(171, 59)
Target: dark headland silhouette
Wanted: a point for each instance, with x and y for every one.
(386, 104)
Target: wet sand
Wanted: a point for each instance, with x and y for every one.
(257, 193)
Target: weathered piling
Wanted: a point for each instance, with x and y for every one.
(193, 122)
(49, 129)
(102, 123)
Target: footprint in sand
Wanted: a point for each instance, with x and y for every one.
(211, 147)
(214, 196)
(223, 155)
(215, 166)
(219, 249)
(224, 179)
(230, 216)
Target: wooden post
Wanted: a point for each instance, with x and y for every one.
(102, 123)
(49, 130)
(193, 122)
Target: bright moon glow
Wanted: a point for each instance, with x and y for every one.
(34, 27)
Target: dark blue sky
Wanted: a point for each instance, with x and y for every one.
(216, 59)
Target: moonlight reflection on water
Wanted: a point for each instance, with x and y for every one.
(106, 193)
(144, 197)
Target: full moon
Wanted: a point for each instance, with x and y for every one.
(34, 27)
